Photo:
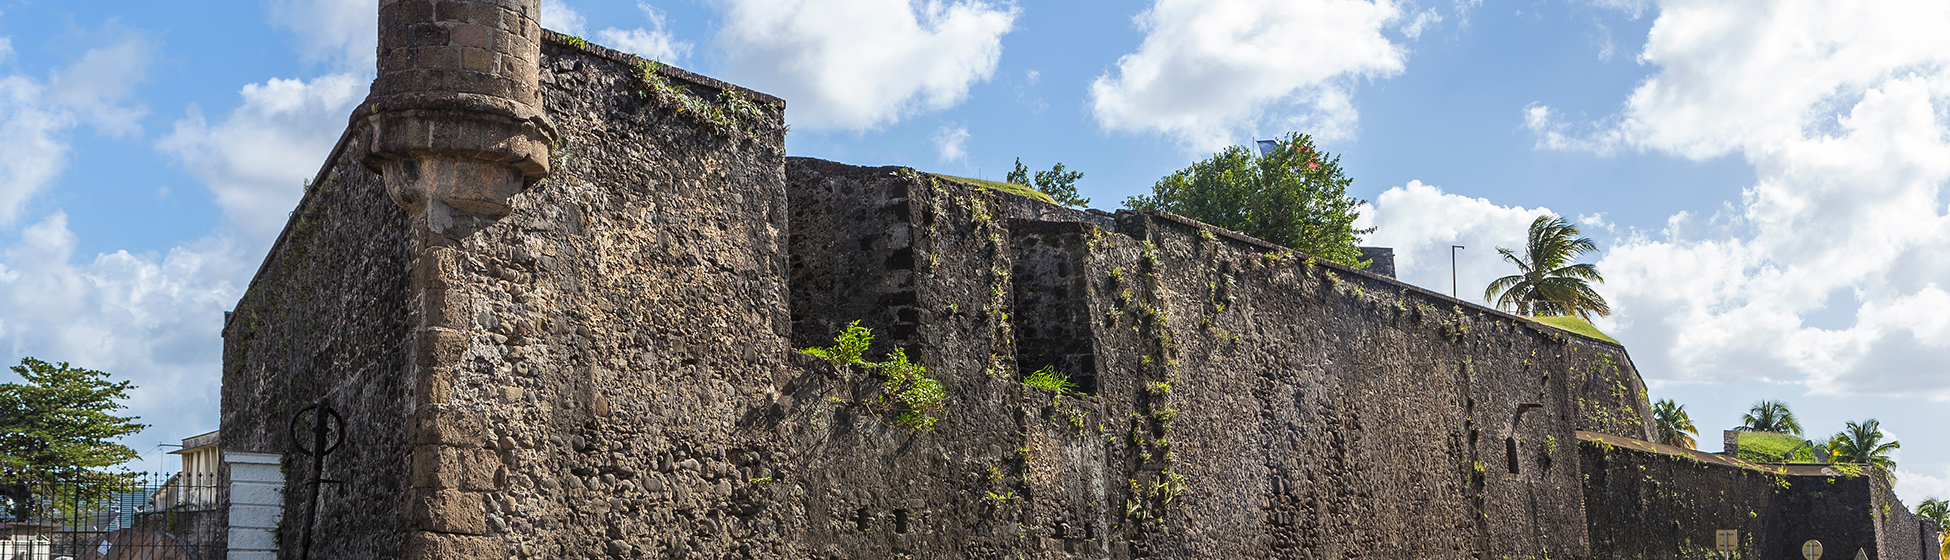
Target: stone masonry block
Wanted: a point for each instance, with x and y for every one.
(252, 539)
(256, 493)
(427, 35)
(447, 511)
(423, 545)
(451, 10)
(477, 60)
(484, 13)
(250, 555)
(415, 10)
(471, 35)
(449, 467)
(449, 308)
(440, 56)
(435, 385)
(256, 473)
(261, 517)
(441, 348)
(448, 425)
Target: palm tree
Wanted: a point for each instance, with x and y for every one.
(1862, 443)
(1674, 424)
(1547, 283)
(1938, 511)
(1770, 416)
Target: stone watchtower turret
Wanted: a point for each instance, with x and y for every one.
(454, 122)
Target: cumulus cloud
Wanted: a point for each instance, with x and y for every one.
(1211, 71)
(1844, 113)
(255, 160)
(861, 64)
(1914, 487)
(1421, 222)
(951, 142)
(559, 17)
(37, 116)
(151, 319)
(654, 43)
(342, 33)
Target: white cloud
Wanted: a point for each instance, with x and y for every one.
(6, 48)
(1421, 22)
(256, 160)
(344, 33)
(951, 143)
(1212, 71)
(1844, 112)
(861, 64)
(150, 319)
(1421, 222)
(654, 43)
(36, 116)
(560, 18)
(1914, 487)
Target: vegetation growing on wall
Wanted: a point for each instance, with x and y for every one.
(908, 397)
(731, 113)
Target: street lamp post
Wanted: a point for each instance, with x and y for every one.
(1453, 291)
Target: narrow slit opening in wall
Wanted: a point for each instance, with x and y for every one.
(861, 519)
(1510, 453)
(900, 521)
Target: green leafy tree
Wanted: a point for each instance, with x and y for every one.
(1675, 426)
(1770, 416)
(1292, 195)
(1547, 282)
(1862, 444)
(58, 430)
(1060, 184)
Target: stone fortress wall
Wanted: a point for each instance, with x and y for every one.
(589, 351)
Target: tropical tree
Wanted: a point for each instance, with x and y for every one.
(1770, 416)
(1938, 511)
(1675, 427)
(1290, 195)
(1862, 443)
(1547, 282)
(58, 430)
(1058, 183)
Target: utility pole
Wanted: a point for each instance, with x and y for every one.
(1453, 291)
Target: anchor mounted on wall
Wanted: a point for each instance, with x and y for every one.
(327, 433)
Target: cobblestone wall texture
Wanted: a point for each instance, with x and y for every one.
(1647, 501)
(610, 369)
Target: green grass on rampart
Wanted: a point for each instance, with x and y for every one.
(1010, 188)
(1574, 324)
(1768, 447)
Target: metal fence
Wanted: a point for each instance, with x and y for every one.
(155, 519)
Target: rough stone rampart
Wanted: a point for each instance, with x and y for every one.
(1652, 501)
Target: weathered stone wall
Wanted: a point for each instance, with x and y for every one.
(607, 370)
(1243, 402)
(509, 383)
(324, 319)
(1651, 501)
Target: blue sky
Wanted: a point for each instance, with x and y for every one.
(1765, 176)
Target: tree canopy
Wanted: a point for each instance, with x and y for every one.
(1548, 281)
(1770, 416)
(1292, 195)
(1060, 184)
(1675, 426)
(59, 428)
